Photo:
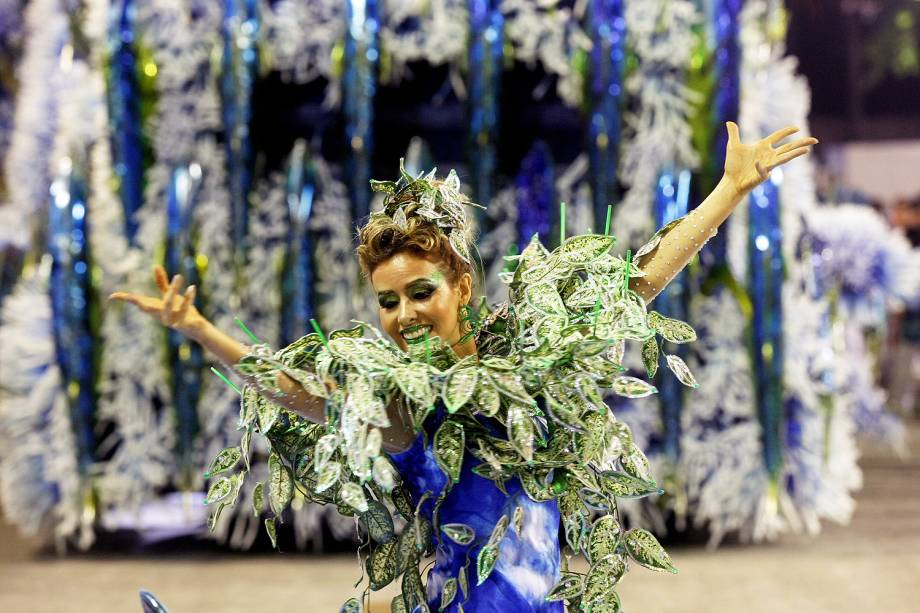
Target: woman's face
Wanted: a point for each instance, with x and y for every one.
(415, 299)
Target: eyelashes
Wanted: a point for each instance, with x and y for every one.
(419, 296)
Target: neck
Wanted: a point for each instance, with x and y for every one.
(468, 347)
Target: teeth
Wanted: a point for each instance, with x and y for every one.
(416, 333)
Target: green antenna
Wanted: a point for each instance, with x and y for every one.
(247, 331)
(226, 380)
(319, 331)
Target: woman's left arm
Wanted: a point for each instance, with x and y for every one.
(746, 166)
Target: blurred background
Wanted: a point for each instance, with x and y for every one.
(232, 141)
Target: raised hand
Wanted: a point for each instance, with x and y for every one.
(747, 166)
(174, 308)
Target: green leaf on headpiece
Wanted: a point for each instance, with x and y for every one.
(225, 460)
(635, 463)
(461, 534)
(681, 371)
(645, 549)
(648, 247)
(631, 387)
(383, 473)
(534, 482)
(399, 218)
(509, 384)
(650, 357)
(268, 413)
(458, 244)
(449, 441)
(280, 484)
(214, 517)
(585, 248)
(412, 589)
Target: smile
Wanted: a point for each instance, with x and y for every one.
(415, 334)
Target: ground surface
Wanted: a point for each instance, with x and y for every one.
(872, 565)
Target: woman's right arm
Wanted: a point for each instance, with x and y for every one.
(177, 311)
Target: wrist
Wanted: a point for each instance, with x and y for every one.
(199, 330)
(732, 188)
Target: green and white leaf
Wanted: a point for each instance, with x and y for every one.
(544, 298)
(272, 531)
(258, 499)
(606, 534)
(488, 399)
(225, 460)
(570, 586)
(382, 567)
(352, 605)
(379, 522)
(521, 430)
(462, 534)
(328, 476)
(485, 563)
(623, 485)
(352, 494)
(585, 248)
(672, 330)
(631, 387)
(645, 549)
(448, 592)
(650, 355)
(280, 484)
(383, 473)
(681, 371)
(449, 441)
(459, 388)
(219, 490)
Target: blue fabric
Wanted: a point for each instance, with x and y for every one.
(527, 567)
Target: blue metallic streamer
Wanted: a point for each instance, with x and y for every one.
(725, 28)
(297, 307)
(765, 282)
(124, 105)
(671, 200)
(484, 85)
(72, 304)
(607, 29)
(537, 213)
(239, 68)
(359, 85)
(185, 358)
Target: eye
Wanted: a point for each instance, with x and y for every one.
(388, 303)
(423, 294)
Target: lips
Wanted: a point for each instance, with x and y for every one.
(415, 334)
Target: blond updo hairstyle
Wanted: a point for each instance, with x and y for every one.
(381, 238)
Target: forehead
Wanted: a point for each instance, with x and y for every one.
(403, 268)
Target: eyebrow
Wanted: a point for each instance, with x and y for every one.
(420, 280)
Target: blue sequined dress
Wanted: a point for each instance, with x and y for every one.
(527, 566)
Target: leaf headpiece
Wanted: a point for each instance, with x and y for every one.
(438, 202)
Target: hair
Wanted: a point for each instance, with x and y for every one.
(381, 238)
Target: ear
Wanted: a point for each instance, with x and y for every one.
(465, 286)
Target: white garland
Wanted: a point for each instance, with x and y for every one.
(657, 136)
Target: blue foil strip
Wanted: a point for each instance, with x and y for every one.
(534, 192)
(124, 105)
(671, 201)
(725, 28)
(297, 307)
(359, 84)
(607, 29)
(484, 86)
(71, 305)
(239, 69)
(765, 283)
(186, 359)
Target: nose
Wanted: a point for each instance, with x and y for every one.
(407, 315)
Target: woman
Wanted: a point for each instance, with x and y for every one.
(495, 424)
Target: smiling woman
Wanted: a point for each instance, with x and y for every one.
(483, 430)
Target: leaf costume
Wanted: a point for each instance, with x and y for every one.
(509, 441)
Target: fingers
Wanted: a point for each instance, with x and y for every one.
(781, 134)
(145, 303)
(162, 281)
(799, 142)
(167, 316)
(786, 157)
(734, 137)
(187, 301)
